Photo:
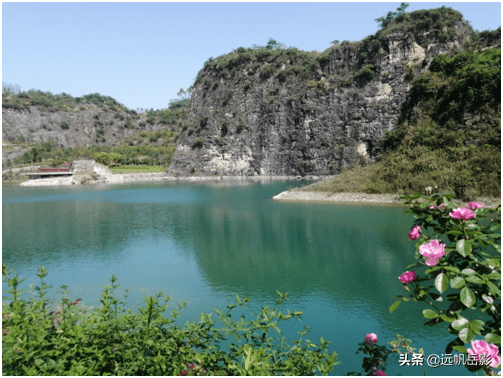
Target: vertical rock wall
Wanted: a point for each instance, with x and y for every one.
(266, 118)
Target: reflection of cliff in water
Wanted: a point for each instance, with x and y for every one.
(300, 248)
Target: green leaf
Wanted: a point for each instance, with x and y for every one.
(487, 298)
(446, 318)
(493, 288)
(493, 338)
(460, 348)
(494, 262)
(474, 279)
(441, 283)
(412, 266)
(451, 269)
(467, 297)
(394, 306)
(457, 282)
(429, 314)
(466, 335)
(477, 326)
(460, 324)
(463, 247)
(435, 268)
(493, 276)
(468, 272)
(453, 233)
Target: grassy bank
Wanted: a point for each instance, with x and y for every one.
(138, 169)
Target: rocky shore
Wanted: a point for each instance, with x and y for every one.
(307, 196)
(297, 195)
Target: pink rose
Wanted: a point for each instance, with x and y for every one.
(415, 233)
(441, 205)
(433, 251)
(432, 207)
(462, 213)
(379, 372)
(407, 277)
(371, 338)
(475, 205)
(480, 347)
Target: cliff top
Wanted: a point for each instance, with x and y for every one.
(46, 101)
(423, 26)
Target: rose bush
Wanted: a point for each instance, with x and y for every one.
(380, 355)
(461, 282)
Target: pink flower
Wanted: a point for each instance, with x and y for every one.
(407, 277)
(415, 233)
(442, 205)
(462, 213)
(371, 338)
(475, 205)
(191, 366)
(433, 251)
(185, 372)
(480, 347)
(432, 207)
(379, 372)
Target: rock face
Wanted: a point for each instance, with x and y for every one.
(264, 113)
(81, 128)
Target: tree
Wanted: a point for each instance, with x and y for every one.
(10, 88)
(335, 42)
(102, 158)
(274, 45)
(391, 16)
(115, 158)
(183, 98)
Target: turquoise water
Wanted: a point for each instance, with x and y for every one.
(205, 243)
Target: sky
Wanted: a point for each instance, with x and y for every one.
(141, 54)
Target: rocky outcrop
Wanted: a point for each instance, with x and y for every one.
(288, 112)
(80, 128)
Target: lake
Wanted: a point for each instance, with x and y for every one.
(204, 243)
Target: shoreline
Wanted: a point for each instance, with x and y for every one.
(292, 195)
(340, 198)
(126, 178)
(394, 200)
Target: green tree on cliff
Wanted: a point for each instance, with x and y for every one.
(391, 16)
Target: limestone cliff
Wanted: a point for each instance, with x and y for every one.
(289, 112)
(81, 127)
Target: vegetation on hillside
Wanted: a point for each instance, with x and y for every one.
(154, 148)
(450, 138)
(14, 98)
(286, 62)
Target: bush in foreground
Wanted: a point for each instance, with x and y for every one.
(459, 253)
(67, 339)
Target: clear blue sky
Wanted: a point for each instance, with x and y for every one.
(141, 54)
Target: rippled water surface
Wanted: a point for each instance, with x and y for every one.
(205, 243)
